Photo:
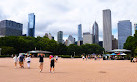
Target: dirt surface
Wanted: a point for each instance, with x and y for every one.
(70, 70)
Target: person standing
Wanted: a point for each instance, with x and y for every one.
(86, 57)
(131, 59)
(41, 60)
(134, 59)
(83, 57)
(52, 64)
(56, 58)
(95, 57)
(15, 58)
(28, 59)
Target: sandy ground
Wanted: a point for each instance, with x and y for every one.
(70, 70)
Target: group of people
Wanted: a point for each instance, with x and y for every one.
(27, 58)
(21, 59)
(133, 59)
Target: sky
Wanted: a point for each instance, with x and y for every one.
(65, 15)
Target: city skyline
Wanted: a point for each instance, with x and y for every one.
(68, 15)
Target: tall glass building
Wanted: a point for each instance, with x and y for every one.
(60, 37)
(124, 30)
(80, 32)
(107, 30)
(95, 33)
(31, 25)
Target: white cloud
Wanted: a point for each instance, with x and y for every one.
(65, 15)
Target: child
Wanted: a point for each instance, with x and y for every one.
(28, 59)
(15, 58)
(52, 64)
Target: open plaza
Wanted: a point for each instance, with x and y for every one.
(70, 70)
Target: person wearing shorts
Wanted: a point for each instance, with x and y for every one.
(52, 64)
(41, 60)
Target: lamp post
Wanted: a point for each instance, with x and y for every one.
(74, 54)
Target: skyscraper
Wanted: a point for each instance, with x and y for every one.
(87, 38)
(107, 30)
(135, 26)
(60, 37)
(124, 30)
(95, 33)
(80, 32)
(31, 25)
(114, 43)
(10, 28)
(71, 40)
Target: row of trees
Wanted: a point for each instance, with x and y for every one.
(22, 44)
(131, 44)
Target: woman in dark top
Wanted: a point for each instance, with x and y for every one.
(41, 60)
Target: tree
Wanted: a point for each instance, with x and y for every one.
(131, 44)
(72, 48)
(7, 50)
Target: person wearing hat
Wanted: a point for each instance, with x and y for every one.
(52, 63)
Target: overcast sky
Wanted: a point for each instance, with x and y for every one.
(65, 15)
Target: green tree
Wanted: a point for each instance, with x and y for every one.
(7, 50)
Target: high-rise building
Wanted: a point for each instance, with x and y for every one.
(107, 30)
(95, 33)
(60, 37)
(79, 43)
(10, 28)
(71, 40)
(31, 25)
(114, 44)
(87, 38)
(135, 26)
(49, 36)
(80, 32)
(124, 30)
(101, 43)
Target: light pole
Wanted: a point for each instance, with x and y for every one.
(74, 54)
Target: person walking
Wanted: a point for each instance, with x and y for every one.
(41, 60)
(21, 61)
(28, 60)
(15, 58)
(52, 64)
